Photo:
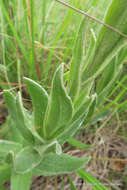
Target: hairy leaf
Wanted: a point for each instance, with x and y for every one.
(74, 81)
(20, 181)
(108, 88)
(16, 109)
(106, 77)
(21, 119)
(7, 146)
(5, 172)
(11, 104)
(39, 100)
(108, 42)
(76, 121)
(91, 109)
(59, 110)
(83, 109)
(54, 164)
(84, 94)
(70, 130)
(30, 125)
(26, 160)
(89, 51)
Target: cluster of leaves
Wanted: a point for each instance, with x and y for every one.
(36, 151)
(59, 115)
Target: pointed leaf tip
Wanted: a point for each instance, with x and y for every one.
(39, 100)
(60, 108)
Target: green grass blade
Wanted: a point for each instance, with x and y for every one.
(62, 29)
(13, 30)
(33, 68)
(26, 19)
(78, 144)
(72, 186)
(4, 50)
(42, 32)
(118, 85)
(95, 184)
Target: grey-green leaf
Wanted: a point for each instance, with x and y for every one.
(13, 133)
(21, 120)
(69, 130)
(5, 172)
(83, 109)
(59, 110)
(108, 42)
(30, 125)
(91, 109)
(76, 62)
(106, 77)
(11, 104)
(89, 51)
(7, 146)
(20, 181)
(39, 100)
(84, 94)
(54, 164)
(26, 160)
(108, 88)
(16, 110)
